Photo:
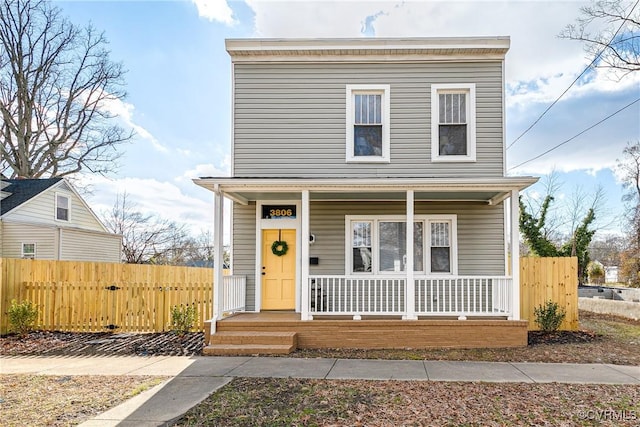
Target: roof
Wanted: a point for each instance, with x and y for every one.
(22, 190)
(485, 190)
(367, 49)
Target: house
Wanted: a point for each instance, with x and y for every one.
(48, 219)
(337, 144)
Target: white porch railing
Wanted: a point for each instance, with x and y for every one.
(386, 295)
(233, 294)
(354, 296)
(463, 295)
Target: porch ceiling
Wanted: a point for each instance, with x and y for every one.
(484, 190)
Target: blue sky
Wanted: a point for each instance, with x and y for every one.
(179, 87)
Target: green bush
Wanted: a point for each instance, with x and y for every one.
(22, 316)
(549, 317)
(183, 318)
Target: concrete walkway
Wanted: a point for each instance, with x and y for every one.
(193, 379)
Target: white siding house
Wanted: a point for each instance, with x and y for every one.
(47, 219)
(337, 145)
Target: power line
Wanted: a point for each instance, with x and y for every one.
(576, 79)
(575, 136)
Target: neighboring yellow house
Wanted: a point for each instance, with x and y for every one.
(47, 219)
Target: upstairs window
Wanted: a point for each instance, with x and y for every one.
(63, 206)
(29, 250)
(453, 123)
(367, 123)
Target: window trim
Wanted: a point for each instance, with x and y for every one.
(377, 89)
(375, 243)
(23, 253)
(55, 213)
(470, 90)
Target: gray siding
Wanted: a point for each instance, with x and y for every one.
(480, 233)
(289, 119)
(244, 247)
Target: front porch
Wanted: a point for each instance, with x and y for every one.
(251, 329)
(352, 312)
(373, 263)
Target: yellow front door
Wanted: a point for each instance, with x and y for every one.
(278, 272)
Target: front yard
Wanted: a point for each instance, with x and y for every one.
(602, 339)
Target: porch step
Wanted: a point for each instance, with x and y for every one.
(248, 342)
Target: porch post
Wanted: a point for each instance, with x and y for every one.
(304, 254)
(410, 300)
(515, 254)
(218, 244)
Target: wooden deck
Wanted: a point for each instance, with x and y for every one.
(372, 333)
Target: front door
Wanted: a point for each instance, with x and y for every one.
(278, 271)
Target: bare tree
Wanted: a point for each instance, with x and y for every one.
(629, 167)
(610, 31)
(57, 86)
(145, 238)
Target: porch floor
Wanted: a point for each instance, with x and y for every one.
(330, 332)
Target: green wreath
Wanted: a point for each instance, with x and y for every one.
(279, 247)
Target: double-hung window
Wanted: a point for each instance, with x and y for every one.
(453, 122)
(367, 123)
(379, 244)
(63, 207)
(29, 250)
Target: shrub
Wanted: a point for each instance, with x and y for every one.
(22, 316)
(183, 318)
(595, 270)
(549, 317)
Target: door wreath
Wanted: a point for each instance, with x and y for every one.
(279, 247)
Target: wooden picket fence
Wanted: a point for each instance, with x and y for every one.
(549, 279)
(94, 297)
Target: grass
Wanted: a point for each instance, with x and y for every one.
(306, 402)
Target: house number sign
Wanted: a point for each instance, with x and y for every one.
(278, 211)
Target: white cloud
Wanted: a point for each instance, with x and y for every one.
(204, 170)
(124, 111)
(151, 196)
(215, 10)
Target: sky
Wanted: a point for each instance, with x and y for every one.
(179, 88)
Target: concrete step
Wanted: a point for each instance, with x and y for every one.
(246, 349)
(254, 338)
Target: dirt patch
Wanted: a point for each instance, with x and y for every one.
(601, 339)
(275, 402)
(46, 400)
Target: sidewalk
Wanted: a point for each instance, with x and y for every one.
(195, 378)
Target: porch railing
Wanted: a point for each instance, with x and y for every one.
(434, 296)
(344, 295)
(463, 295)
(233, 293)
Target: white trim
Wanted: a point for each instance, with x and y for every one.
(233, 115)
(515, 255)
(377, 89)
(470, 90)
(274, 224)
(55, 209)
(505, 184)
(303, 301)
(410, 306)
(375, 243)
(35, 249)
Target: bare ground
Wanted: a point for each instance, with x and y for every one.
(57, 401)
(299, 402)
